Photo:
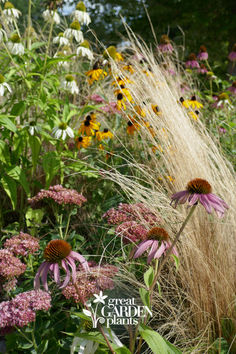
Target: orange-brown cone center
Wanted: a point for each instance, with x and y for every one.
(199, 186)
(157, 233)
(56, 250)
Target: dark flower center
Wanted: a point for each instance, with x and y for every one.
(203, 49)
(56, 250)
(119, 96)
(193, 98)
(158, 234)
(192, 56)
(87, 123)
(88, 118)
(80, 139)
(105, 130)
(199, 186)
(122, 86)
(130, 124)
(181, 99)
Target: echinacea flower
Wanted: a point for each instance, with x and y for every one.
(222, 101)
(84, 51)
(232, 88)
(165, 46)
(58, 253)
(70, 84)
(74, 32)
(200, 190)
(81, 15)
(15, 46)
(51, 15)
(232, 55)
(83, 141)
(10, 12)
(202, 70)
(62, 130)
(3, 85)
(192, 62)
(61, 39)
(157, 240)
(202, 55)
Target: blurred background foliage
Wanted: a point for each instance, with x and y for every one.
(189, 23)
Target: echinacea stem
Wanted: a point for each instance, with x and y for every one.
(175, 241)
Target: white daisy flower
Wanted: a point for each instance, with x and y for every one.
(62, 131)
(81, 15)
(48, 15)
(61, 40)
(3, 86)
(10, 12)
(32, 128)
(70, 84)
(14, 45)
(84, 51)
(100, 298)
(74, 31)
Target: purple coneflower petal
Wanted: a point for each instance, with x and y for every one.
(179, 197)
(67, 278)
(142, 248)
(152, 251)
(44, 275)
(81, 259)
(71, 263)
(56, 273)
(37, 276)
(214, 198)
(205, 202)
(174, 250)
(160, 250)
(193, 198)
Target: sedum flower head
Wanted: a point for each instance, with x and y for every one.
(22, 244)
(10, 266)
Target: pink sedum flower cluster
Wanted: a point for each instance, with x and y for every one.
(22, 244)
(21, 310)
(99, 278)
(131, 218)
(131, 231)
(10, 266)
(59, 194)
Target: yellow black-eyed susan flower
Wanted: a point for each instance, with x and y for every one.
(96, 73)
(156, 109)
(193, 103)
(132, 127)
(106, 134)
(83, 141)
(194, 115)
(122, 96)
(88, 127)
(128, 68)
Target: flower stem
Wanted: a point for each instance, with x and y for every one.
(175, 241)
(67, 225)
(49, 41)
(29, 25)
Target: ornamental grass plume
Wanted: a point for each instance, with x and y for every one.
(58, 253)
(194, 301)
(98, 279)
(22, 244)
(59, 195)
(22, 309)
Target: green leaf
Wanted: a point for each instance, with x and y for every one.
(9, 185)
(18, 108)
(37, 45)
(18, 174)
(7, 123)
(144, 294)
(176, 259)
(4, 152)
(149, 277)
(121, 350)
(156, 343)
(33, 216)
(35, 145)
(51, 165)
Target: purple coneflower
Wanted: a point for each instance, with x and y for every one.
(158, 242)
(202, 55)
(232, 55)
(200, 190)
(58, 252)
(202, 69)
(165, 46)
(232, 88)
(192, 62)
(222, 130)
